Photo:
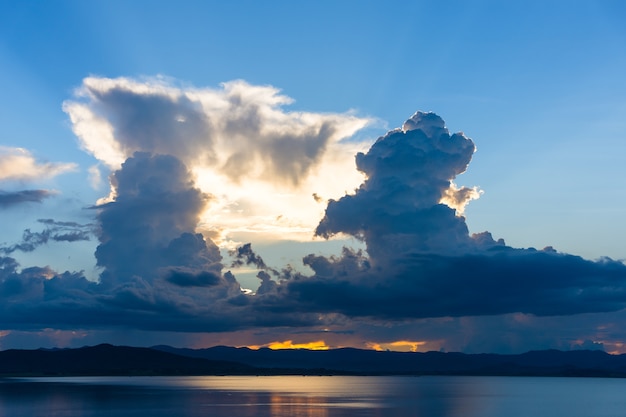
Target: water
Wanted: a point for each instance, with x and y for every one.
(297, 396)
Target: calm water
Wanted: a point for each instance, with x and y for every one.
(313, 396)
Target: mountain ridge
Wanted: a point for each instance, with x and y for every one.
(352, 360)
(106, 359)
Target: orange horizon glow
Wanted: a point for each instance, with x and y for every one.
(288, 344)
(615, 348)
(399, 345)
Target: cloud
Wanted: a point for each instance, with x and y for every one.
(38, 295)
(18, 164)
(244, 255)
(239, 128)
(190, 278)
(158, 272)
(505, 333)
(170, 183)
(421, 261)
(430, 285)
(185, 300)
(151, 223)
(68, 231)
(399, 208)
(238, 140)
(55, 231)
(13, 198)
(589, 345)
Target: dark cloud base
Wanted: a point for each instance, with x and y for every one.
(430, 285)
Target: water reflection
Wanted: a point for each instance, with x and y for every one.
(312, 397)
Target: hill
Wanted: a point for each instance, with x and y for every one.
(357, 361)
(165, 360)
(111, 360)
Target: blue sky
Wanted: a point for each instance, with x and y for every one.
(537, 86)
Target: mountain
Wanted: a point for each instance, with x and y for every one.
(111, 360)
(357, 361)
(165, 360)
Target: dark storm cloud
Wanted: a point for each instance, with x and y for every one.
(156, 263)
(55, 231)
(158, 273)
(421, 260)
(151, 223)
(38, 298)
(190, 278)
(398, 208)
(13, 198)
(431, 285)
(244, 255)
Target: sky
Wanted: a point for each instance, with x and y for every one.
(403, 175)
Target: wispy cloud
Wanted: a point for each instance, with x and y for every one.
(55, 231)
(19, 164)
(13, 198)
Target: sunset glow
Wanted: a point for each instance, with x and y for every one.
(288, 344)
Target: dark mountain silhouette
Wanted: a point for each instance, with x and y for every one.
(111, 360)
(165, 360)
(348, 360)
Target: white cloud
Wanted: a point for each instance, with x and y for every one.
(261, 162)
(19, 164)
(95, 177)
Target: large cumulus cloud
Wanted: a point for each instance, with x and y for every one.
(240, 128)
(421, 260)
(399, 207)
(238, 139)
(158, 272)
(151, 223)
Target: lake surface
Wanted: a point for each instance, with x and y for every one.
(312, 396)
